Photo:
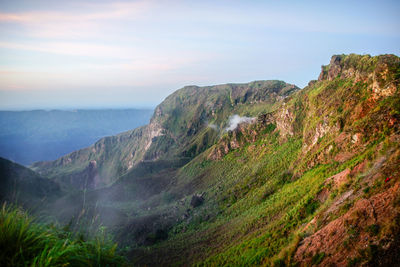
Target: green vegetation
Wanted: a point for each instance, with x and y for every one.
(26, 243)
(317, 258)
(373, 229)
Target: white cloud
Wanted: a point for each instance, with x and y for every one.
(235, 120)
(88, 21)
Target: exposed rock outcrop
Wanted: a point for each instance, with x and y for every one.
(344, 238)
(376, 71)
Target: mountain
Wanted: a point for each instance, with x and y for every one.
(252, 174)
(315, 180)
(22, 186)
(183, 125)
(37, 135)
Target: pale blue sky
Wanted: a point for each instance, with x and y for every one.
(82, 54)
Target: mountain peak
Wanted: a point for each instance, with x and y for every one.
(353, 65)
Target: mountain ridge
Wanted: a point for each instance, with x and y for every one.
(163, 132)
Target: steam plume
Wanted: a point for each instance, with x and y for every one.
(235, 120)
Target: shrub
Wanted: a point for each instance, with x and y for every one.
(373, 229)
(317, 258)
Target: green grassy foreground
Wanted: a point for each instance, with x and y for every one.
(23, 242)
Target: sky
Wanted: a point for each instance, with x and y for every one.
(119, 54)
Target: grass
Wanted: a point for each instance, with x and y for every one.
(317, 258)
(23, 242)
(275, 221)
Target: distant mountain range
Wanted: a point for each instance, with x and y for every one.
(37, 135)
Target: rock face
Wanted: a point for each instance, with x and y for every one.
(376, 71)
(242, 134)
(334, 69)
(365, 217)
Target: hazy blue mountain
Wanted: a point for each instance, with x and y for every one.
(37, 135)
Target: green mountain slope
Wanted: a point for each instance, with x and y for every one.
(179, 129)
(323, 165)
(22, 186)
